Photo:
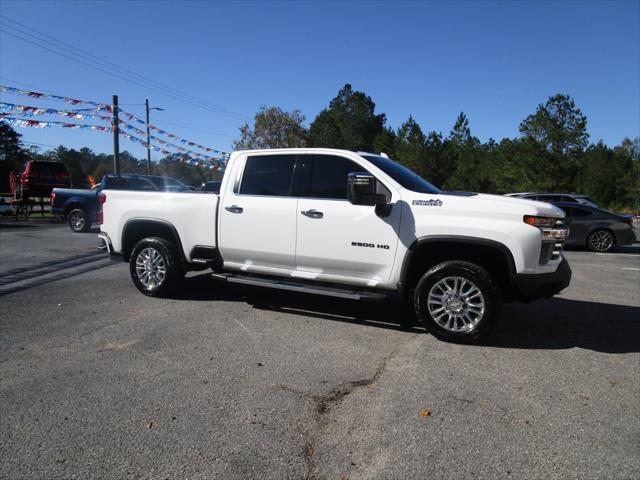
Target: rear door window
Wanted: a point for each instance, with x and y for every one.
(268, 175)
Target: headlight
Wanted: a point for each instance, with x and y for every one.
(552, 227)
(541, 222)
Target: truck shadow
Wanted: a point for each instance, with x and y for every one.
(550, 324)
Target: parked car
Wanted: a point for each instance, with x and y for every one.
(80, 207)
(212, 186)
(597, 229)
(39, 178)
(344, 224)
(555, 197)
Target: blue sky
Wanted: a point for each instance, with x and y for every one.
(496, 61)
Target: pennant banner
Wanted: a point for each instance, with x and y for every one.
(156, 148)
(29, 93)
(138, 131)
(25, 122)
(29, 111)
(171, 135)
(7, 110)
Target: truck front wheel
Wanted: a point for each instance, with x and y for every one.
(457, 301)
(154, 266)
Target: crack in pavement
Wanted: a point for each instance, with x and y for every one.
(312, 428)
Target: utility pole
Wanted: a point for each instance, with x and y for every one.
(146, 105)
(115, 126)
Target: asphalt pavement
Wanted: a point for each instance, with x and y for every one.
(99, 381)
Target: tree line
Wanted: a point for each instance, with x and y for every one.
(552, 153)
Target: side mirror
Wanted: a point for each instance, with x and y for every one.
(362, 189)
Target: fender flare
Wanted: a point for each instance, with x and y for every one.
(460, 239)
(163, 223)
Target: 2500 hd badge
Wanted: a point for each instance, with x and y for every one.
(369, 245)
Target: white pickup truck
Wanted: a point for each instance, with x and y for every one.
(345, 224)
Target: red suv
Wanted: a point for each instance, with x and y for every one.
(39, 178)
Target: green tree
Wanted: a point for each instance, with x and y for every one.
(385, 142)
(556, 137)
(273, 128)
(461, 133)
(469, 159)
(12, 154)
(558, 125)
(350, 122)
(521, 164)
(440, 167)
(409, 147)
(606, 176)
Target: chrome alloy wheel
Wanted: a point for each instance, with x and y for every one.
(601, 241)
(77, 220)
(456, 304)
(150, 268)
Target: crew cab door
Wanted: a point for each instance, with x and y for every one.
(257, 225)
(338, 241)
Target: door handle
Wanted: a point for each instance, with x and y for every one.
(312, 213)
(233, 209)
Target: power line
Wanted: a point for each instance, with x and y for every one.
(101, 61)
(107, 67)
(40, 144)
(119, 67)
(70, 58)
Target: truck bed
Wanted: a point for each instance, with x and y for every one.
(192, 214)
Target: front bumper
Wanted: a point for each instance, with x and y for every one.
(626, 237)
(529, 287)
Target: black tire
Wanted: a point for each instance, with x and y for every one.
(601, 241)
(155, 284)
(78, 220)
(468, 324)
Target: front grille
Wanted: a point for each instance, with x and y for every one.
(546, 252)
(550, 251)
(553, 241)
(557, 250)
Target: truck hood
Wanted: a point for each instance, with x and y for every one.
(540, 208)
(481, 205)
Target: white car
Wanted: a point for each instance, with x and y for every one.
(346, 224)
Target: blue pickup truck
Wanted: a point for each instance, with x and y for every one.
(80, 207)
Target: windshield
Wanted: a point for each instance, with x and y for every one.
(404, 176)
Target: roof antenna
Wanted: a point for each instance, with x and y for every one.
(382, 154)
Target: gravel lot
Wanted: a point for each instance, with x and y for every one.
(98, 381)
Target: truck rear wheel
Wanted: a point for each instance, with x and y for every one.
(155, 267)
(78, 220)
(457, 301)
